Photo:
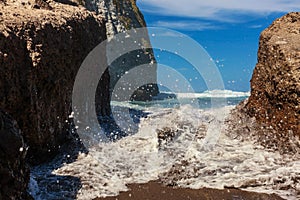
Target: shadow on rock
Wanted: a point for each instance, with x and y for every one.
(44, 184)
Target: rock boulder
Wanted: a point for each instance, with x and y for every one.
(275, 84)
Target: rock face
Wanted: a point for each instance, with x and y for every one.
(120, 16)
(42, 46)
(13, 171)
(275, 84)
(41, 51)
(271, 115)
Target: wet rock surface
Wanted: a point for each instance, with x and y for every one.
(275, 84)
(271, 115)
(14, 172)
(41, 51)
(166, 135)
(243, 127)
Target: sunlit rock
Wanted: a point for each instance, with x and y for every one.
(121, 16)
(41, 51)
(271, 115)
(275, 84)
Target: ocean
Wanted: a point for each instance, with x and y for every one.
(182, 141)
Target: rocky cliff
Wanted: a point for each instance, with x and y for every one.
(275, 84)
(42, 46)
(41, 49)
(14, 173)
(120, 16)
(273, 110)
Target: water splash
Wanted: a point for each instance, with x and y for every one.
(138, 158)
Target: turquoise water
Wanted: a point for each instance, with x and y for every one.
(205, 100)
(202, 103)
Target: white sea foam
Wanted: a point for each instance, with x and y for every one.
(214, 94)
(107, 169)
(135, 159)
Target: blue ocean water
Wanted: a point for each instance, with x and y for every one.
(202, 103)
(205, 100)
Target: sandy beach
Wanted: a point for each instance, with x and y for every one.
(154, 191)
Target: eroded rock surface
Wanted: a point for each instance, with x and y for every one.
(271, 115)
(275, 84)
(121, 16)
(41, 51)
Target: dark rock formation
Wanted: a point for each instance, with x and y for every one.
(14, 172)
(121, 16)
(42, 46)
(166, 135)
(40, 54)
(271, 115)
(275, 84)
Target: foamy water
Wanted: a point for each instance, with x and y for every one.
(214, 93)
(201, 154)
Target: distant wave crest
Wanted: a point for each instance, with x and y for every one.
(214, 94)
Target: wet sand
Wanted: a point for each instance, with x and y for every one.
(156, 191)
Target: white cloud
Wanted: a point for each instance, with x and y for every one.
(256, 26)
(184, 25)
(168, 33)
(221, 10)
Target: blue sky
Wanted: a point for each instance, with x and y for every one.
(227, 29)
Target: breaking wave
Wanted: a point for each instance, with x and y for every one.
(184, 159)
(214, 94)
